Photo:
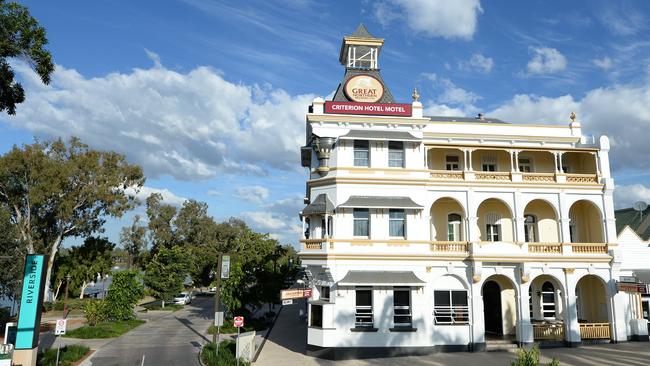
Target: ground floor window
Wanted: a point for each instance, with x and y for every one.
(402, 307)
(316, 316)
(548, 300)
(450, 307)
(325, 293)
(363, 310)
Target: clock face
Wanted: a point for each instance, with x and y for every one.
(364, 88)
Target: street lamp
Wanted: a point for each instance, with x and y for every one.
(65, 299)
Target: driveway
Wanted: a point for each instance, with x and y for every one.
(287, 341)
(173, 338)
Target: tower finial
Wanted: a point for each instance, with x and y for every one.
(573, 116)
(415, 95)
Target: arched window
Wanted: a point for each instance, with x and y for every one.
(530, 228)
(454, 232)
(548, 300)
(493, 226)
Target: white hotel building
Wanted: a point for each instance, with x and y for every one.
(427, 233)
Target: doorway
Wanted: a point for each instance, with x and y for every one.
(492, 314)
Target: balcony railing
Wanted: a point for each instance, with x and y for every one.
(589, 248)
(582, 178)
(538, 177)
(447, 174)
(531, 178)
(498, 176)
(548, 332)
(545, 248)
(314, 244)
(595, 331)
(449, 246)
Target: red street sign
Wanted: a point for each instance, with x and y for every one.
(307, 293)
(238, 322)
(382, 109)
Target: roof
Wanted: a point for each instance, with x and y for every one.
(361, 32)
(379, 135)
(380, 202)
(320, 205)
(642, 275)
(639, 222)
(339, 96)
(324, 278)
(380, 278)
(465, 119)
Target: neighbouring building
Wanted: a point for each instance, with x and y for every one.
(426, 233)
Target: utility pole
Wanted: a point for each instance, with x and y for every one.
(217, 299)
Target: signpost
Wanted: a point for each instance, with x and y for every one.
(59, 331)
(238, 322)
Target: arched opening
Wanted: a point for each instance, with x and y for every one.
(495, 221)
(586, 224)
(546, 308)
(447, 220)
(540, 223)
(579, 163)
(591, 307)
(499, 307)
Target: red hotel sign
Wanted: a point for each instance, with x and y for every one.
(382, 109)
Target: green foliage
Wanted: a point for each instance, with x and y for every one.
(233, 290)
(134, 241)
(73, 304)
(104, 330)
(165, 273)
(123, 295)
(226, 354)
(12, 256)
(21, 37)
(530, 357)
(160, 222)
(95, 312)
(68, 355)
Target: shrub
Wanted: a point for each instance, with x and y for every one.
(123, 295)
(67, 356)
(226, 354)
(530, 357)
(95, 312)
(5, 314)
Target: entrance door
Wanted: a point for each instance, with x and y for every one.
(492, 308)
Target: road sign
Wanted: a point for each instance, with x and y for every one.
(295, 294)
(287, 302)
(245, 346)
(218, 319)
(225, 266)
(238, 322)
(60, 327)
(307, 293)
(628, 279)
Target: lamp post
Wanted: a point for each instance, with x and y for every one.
(65, 298)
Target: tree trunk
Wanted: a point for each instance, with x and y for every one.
(83, 288)
(58, 288)
(50, 263)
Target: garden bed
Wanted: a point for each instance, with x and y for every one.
(69, 356)
(104, 330)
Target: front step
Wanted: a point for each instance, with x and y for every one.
(501, 346)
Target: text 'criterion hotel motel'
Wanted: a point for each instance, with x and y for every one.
(426, 234)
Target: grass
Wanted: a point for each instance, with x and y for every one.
(104, 330)
(228, 328)
(67, 356)
(226, 355)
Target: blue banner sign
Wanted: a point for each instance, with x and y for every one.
(31, 301)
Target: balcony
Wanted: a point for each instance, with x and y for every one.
(548, 332)
(595, 331)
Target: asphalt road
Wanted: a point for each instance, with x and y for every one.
(170, 339)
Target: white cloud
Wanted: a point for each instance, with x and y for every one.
(188, 125)
(452, 101)
(279, 218)
(622, 19)
(604, 63)
(436, 18)
(546, 61)
(168, 196)
(626, 196)
(252, 194)
(479, 63)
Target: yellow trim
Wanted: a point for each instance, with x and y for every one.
(455, 146)
(354, 118)
(447, 256)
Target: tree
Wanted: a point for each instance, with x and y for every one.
(13, 257)
(123, 295)
(56, 190)
(85, 263)
(160, 222)
(20, 38)
(166, 272)
(134, 241)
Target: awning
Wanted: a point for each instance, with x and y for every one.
(319, 206)
(324, 278)
(642, 276)
(380, 202)
(379, 135)
(380, 278)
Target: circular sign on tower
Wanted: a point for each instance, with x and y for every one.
(364, 88)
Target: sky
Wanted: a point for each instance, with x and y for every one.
(209, 97)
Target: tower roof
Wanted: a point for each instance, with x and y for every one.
(362, 32)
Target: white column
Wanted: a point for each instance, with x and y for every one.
(469, 152)
(572, 331)
(559, 155)
(557, 170)
(517, 161)
(597, 160)
(512, 161)
(525, 327)
(302, 234)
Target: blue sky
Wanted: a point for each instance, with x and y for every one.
(209, 96)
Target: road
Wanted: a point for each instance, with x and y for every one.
(174, 338)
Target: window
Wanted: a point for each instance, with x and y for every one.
(396, 154)
(453, 227)
(450, 307)
(307, 228)
(530, 301)
(489, 163)
(492, 226)
(646, 309)
(525, 165)
(323, 228)
(548, 300)
(452, 162)
(316, 316)
(361, 221)
(573, 231)
(361, 153)
(325, 293)
(402, 307)
(363, 310)
(396, 225)
(530, 229)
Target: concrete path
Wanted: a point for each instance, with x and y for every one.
(287, 343)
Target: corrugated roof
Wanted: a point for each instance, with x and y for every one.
(465, 119)
(380, 135)
(643, 276)
(362, 32)
(320, 205)
(639, 222)
(380, 278)
(380, 202)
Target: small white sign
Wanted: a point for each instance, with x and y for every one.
(245, 347)
(287, 302)
(225, 266)
(218, 319)
(60, 326)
